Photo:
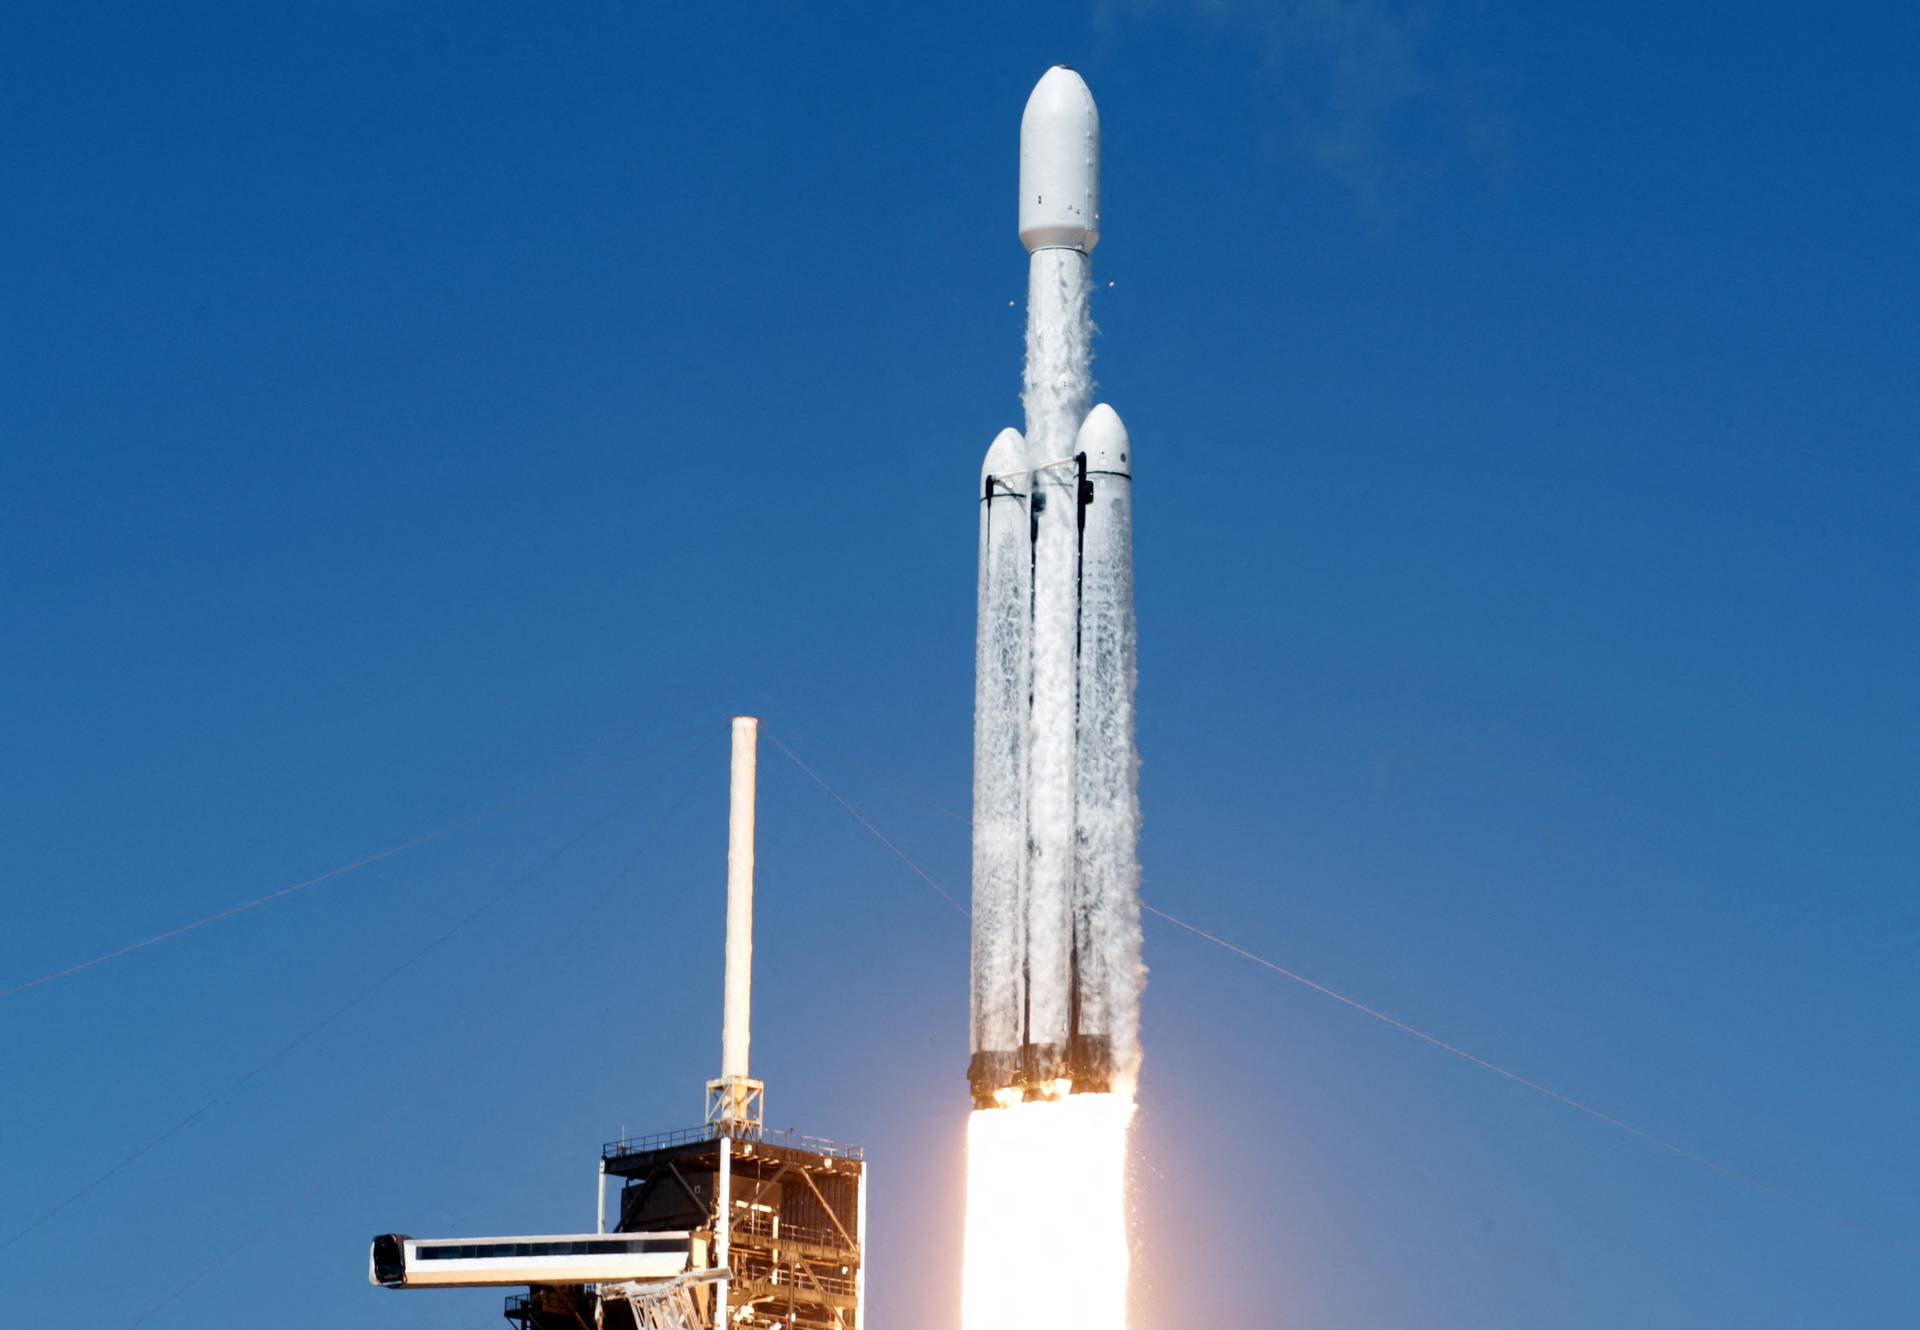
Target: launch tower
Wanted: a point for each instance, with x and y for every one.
(726, 1226)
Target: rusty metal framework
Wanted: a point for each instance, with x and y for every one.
(671, 1305)
(782, 1215)
(737, 1102)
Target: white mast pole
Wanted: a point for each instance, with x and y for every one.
(734, 1101)
(734, 1036)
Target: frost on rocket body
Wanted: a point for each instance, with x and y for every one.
(1059, 389)
(999, 749)
(1107, 807)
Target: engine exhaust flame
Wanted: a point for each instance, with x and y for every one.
(1046, 1231)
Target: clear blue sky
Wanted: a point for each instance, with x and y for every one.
(412, 408)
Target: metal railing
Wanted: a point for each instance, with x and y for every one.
(820, 1145)
(750, 1283)
(757, 1225)
(660, 1140)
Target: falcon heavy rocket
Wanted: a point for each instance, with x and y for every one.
(1056, 913)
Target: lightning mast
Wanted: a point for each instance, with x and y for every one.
(724, 1226)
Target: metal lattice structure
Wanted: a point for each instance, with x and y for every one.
(787, 1215)
(783, 1215)
(658, 1306)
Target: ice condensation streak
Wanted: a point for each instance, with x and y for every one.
(999, 747)
(1107, 869)
(1059, 389)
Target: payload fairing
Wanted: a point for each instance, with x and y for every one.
(1056, 914)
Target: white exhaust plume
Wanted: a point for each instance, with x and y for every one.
(1046, 1216)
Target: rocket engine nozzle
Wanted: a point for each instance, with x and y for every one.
(1084, 1065)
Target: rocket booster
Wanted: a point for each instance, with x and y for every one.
(1056, 931)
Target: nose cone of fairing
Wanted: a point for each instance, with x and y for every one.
(1060, 164)
(1005, 455)
(1103, 441)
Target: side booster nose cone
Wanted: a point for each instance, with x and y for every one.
(1060, 165)
(1006, 456)
(1103, 440)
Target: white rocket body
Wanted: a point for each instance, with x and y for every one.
(1056, 968)
(1060, 164)
(1000, 747)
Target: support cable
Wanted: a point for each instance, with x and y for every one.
(813, 744)
(359, 1144)
(280, 1054)
(861, 818)
(1704, 1161)
(440, 833)
(1568, 1101)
